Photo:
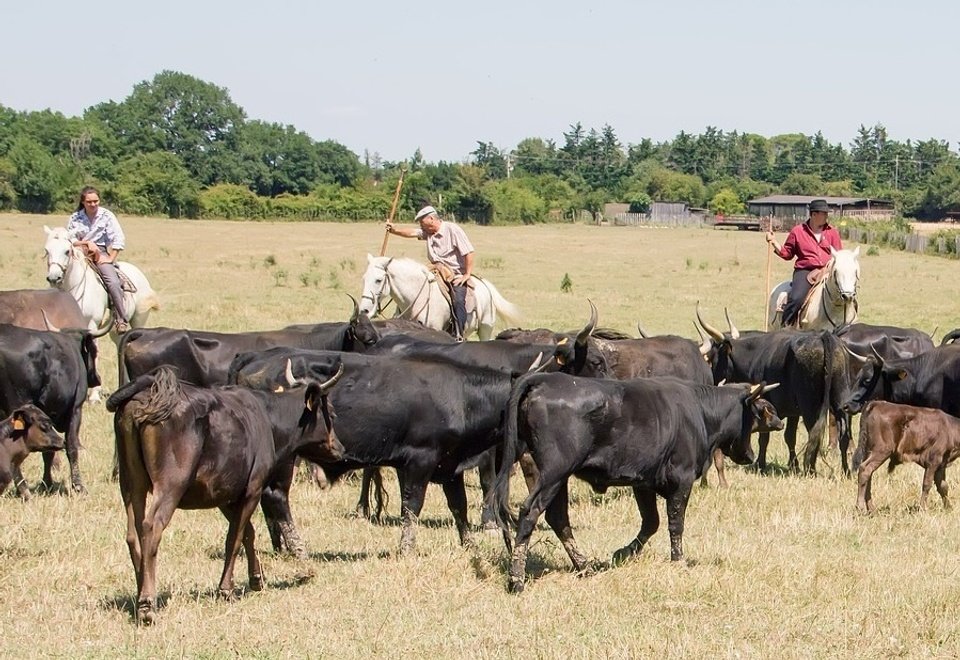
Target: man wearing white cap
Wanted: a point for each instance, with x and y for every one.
(449, 251)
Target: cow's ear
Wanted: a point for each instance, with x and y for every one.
(312, 396)
(18, 423)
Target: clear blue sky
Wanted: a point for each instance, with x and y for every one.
(391, 77)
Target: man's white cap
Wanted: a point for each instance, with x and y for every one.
(424, 212)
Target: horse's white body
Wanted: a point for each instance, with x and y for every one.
(832, 301)
(416, 292)
(68, 270)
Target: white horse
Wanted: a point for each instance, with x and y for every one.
(68, 270)
(416, 291)
(832, 301)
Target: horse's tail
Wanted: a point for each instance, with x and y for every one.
(145, 298)
(510, 312)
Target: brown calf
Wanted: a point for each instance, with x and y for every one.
(906, 434)
(198, 448)
(27, 429)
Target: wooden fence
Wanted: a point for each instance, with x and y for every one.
(644, 220)
(916, 243)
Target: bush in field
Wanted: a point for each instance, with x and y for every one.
(512, 202)
(230, 202)
(726, 202)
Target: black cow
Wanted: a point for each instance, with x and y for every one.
(51, 370)
(27, 429)
(655, 435)
(810, 366)
(199, 448)
(430, 420)
(887, 340)
(203, 358)
(931, 380)
(573, 353)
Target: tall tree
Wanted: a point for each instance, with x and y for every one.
(181, 114)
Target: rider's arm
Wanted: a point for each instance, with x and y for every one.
(405, 232)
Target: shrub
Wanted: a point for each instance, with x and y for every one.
(230, 202)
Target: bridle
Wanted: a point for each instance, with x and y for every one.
(375, 299)
(836, 299)
(78, 291)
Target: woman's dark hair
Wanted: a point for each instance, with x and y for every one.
(83, 193)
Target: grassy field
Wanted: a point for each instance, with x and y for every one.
(777, 566)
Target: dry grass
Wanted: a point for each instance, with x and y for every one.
(776, 566)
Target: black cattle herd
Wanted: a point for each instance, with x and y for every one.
(207, 419)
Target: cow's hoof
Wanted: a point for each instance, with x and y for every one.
(592, 568)
(226, 594)
(515, 585)
(256, 583)
(146, 613)
(622, 556)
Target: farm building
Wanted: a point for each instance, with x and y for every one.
(792, 209)
(660, 214)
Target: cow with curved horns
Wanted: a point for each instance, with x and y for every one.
(931, 380)
(200, 448)
(430, 420)
(653, 434)
(810, 366)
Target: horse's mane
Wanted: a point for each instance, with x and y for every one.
(406, 261)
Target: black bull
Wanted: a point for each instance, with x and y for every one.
(811, 368)
(203, 358)
(51, 370)
(430, 420)
(653, 434)
(931, 380)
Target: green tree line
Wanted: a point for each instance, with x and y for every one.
(179, 146)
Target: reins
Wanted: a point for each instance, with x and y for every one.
(828, 295)
(78, 291)
(400, 312)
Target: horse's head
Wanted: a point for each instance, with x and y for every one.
(846, 273)
(58, 250)
(376, 285)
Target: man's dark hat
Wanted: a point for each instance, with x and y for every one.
(819, 205)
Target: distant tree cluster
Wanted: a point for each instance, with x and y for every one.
(180, 147)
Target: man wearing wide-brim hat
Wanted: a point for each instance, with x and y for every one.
(449, 251)
(810, 243)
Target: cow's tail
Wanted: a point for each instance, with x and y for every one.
(123, 376)
(499, 495)
(815, 441)
(164, 394)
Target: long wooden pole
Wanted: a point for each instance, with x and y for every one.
(766, 291)
(393, 212)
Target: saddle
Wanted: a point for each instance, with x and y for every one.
(445, 275)
(126, 284)
(817, 278)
